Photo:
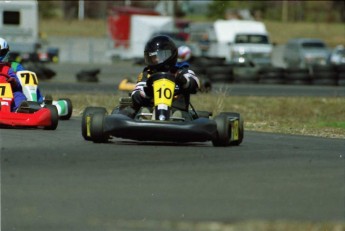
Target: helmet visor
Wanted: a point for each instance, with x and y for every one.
(157, 57)
(3, 52)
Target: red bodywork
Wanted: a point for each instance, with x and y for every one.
(119, 23)
(39, 118)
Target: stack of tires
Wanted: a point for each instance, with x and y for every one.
(212, 68)
(297, 76)
(216, 69)
(271, 75)
(246, 73)
(340, 69)
(324, 75)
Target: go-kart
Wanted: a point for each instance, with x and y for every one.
(30, 115)
(29, 82)
(159, 123)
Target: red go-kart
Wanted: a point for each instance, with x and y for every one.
(30, 115)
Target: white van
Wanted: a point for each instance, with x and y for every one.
(19, 25)
(240, 41)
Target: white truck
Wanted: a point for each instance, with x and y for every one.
(19, 25)
(240, 41)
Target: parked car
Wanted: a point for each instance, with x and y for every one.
(305, 52)
(338, 55)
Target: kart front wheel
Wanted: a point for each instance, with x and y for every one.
(54, 117)
(97, 125)
(223, 137)
(69, 108)
(86, 120)
(238, 129)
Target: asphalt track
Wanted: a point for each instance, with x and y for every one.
(55, 180)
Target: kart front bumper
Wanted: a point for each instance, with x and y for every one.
(39, 118)
(199, 130)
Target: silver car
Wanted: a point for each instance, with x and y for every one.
(338, 55)
(304, 52)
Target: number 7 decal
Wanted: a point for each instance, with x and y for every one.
(2, 90)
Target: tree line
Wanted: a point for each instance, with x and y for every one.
(284, 10)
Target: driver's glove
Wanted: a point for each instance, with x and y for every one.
(138, 98)
(182, 79)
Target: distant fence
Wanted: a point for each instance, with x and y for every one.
(80, 49)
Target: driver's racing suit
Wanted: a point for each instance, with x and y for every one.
(18, 95)
(18, 67)
(186, 83)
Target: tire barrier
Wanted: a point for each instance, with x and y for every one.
(340, 69)
(245, 74)
(90, 75)
(42, 72)
(323, 75)
(297, 76)
(271, 75)
(217, 70)
(220, 73)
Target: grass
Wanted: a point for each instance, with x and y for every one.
(315, 116)
(331, 33)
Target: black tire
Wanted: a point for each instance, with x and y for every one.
(325, 79)
(341, 79)
(240, 126)
(87, 112)
(223, 137)
(324, 75)
(271, 75)
(297, 76)
(220, 73)
(208, 61)
(54, 117)
(97, 125)
(246, 75)
(69, 109)
(340, 69)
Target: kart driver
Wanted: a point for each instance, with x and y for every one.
(19, 67)
(161, 55)
(5, 68)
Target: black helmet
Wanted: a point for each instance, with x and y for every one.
(160, 53)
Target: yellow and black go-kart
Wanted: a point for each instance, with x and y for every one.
(162, 121)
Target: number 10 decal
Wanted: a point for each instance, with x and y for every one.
(166, 93)
(163, 91)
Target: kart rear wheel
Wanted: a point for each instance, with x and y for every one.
(86, 120)
(69, 109)
(240, 126)
(54, 117)
(97, 125)
(223, 138)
